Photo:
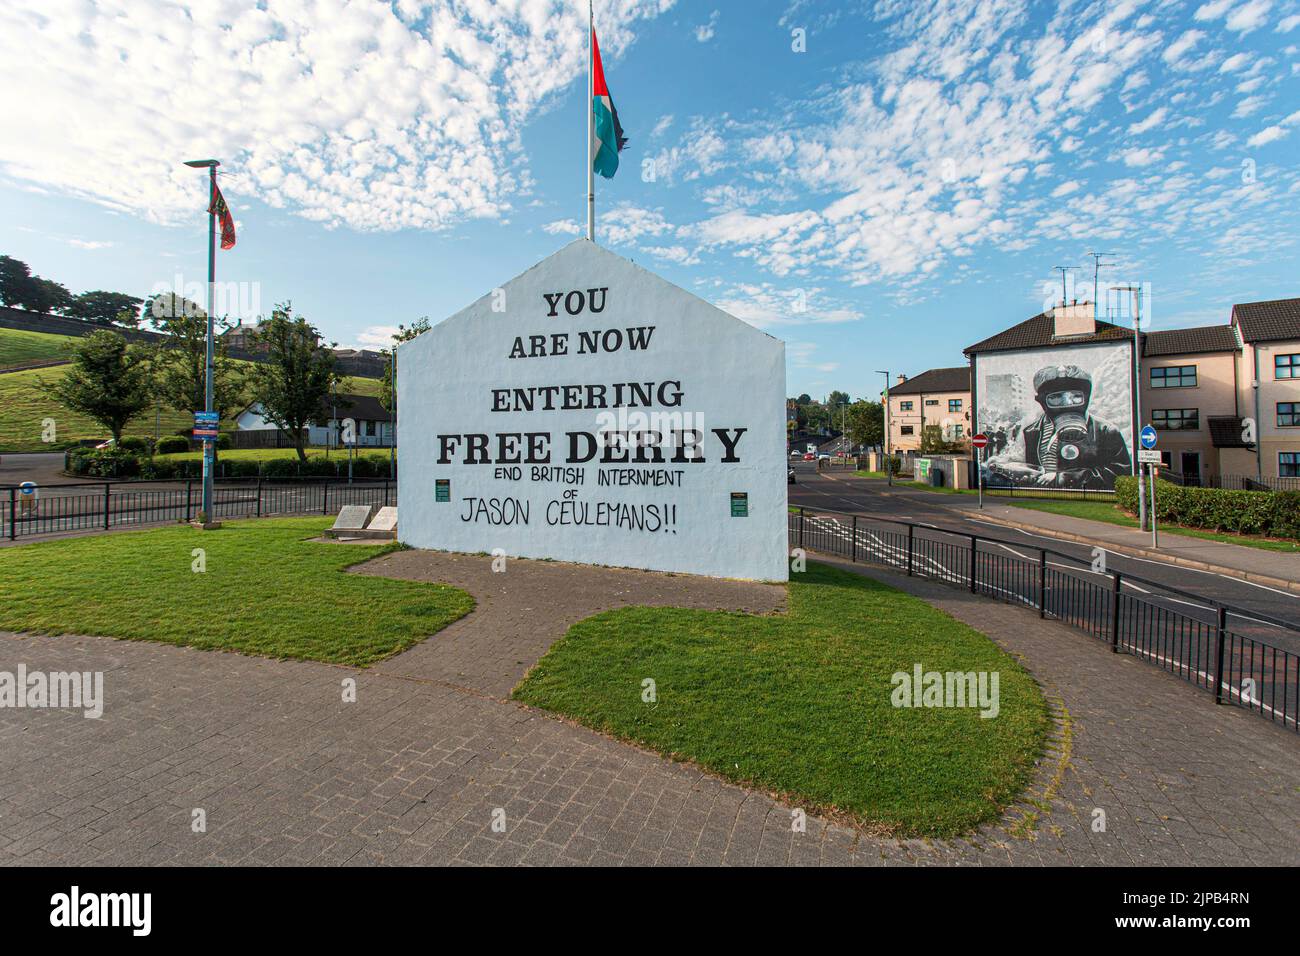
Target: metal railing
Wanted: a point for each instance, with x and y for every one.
(1213, 646)
(70, 508)
(1038, 491)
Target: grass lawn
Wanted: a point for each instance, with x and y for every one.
(18, 346)
(799, 703)
(262, 454)
(1112, 514)
(266, 591)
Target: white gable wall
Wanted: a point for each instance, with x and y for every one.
(731, 376)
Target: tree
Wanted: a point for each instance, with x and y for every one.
(105, 308)
(934, 442)
(15, 281)
(180, 360)
(866, 423)
(387, 393)
(108, 380)
(837, 399)
(294, 382)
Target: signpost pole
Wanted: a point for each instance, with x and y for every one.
(979, 473)
(1155, 542)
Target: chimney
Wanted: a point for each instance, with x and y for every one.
(1073, 320)
(901, 379)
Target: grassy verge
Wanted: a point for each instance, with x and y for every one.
(1110, 513)
(18, 346)
(266, 591)
(799, 703)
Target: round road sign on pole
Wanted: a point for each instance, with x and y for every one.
(1147, 436)
(980, 440)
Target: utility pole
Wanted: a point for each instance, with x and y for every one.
(1135, 292)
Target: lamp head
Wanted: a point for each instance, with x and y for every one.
(202, 163)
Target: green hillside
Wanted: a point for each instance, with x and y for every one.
(23, 408)
(18, 346)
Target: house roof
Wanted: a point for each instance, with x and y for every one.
(1268, 321)
(350, 405)
(1205, 338)
(935, 380)
(358, 407)
(1039, 332)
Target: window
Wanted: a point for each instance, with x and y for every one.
(1288, 413)
(956, 432)
(932, 401)
(1175, 376)
(1175, 419)
(1288, 464)
(954, 404)
(905, 430)
(1286, 366)
(370, 428)
(904, 406)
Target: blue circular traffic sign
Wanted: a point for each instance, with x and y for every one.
(1147, 436)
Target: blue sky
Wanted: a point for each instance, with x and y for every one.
(901, 187)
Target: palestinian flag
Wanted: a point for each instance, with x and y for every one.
(222, 212)
(609, 139)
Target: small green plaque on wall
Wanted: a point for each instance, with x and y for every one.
(442, 489)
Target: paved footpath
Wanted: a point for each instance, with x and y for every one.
(285, 772)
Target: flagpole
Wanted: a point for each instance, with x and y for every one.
(210, 445)
(591, 126)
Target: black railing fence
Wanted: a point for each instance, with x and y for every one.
(69, 508)
(1243, 658)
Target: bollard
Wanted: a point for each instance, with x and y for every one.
(1218, 654)
(1042, 583)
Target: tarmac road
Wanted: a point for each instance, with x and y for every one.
(960, 513)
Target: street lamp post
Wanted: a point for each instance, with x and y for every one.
(889, 469)
(209, 444)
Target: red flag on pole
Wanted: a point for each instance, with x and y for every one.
(222, 212)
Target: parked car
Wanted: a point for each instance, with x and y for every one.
(790, 476)
(824, 456)
(809, 456)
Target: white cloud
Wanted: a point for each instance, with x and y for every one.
(563, 227)
(1175, 52)
(1065, 189)
(1156, 118)
(89, 243)
(1249, 16)
(704, 32)
(1287, 24)
(1141, 157)
(376, 337)
(366, 114)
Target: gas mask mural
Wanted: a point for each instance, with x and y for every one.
(1044, 426)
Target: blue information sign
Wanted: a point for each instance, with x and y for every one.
(1147, 436)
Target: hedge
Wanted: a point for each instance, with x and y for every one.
(120, 464)
(1272, 513)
